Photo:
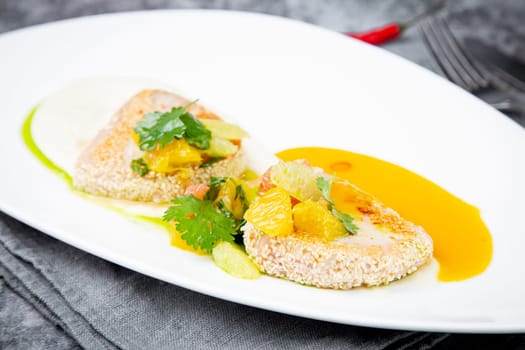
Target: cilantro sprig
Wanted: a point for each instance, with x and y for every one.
(204, 222)
(199, 223)
(160, 129)
(325, 186)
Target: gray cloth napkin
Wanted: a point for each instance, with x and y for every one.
(53, 296)
(103, 306)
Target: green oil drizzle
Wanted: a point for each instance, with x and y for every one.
(31, 145)
(153, 220)
(27, 136)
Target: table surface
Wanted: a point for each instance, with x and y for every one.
(338, 15)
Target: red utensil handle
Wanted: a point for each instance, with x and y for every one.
(391, 31)
(379, 35)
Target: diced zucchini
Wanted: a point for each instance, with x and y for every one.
(220, 147)
(224, 130)
(234, 261)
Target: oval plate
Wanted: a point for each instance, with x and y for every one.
(288, 84)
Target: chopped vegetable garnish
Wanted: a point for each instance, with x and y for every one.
(196, 133)
(347, 221)
(215, 186)
(296, 178)
(218, 216)
(224, 130)
(139, 166)
(316, 218)
(325, 186)
(272, 213)
(219, 147)
(233, 260)
(160, 129)
(199, 223)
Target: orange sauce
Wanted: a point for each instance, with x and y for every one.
(462, 242)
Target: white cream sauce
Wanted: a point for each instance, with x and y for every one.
(368, 235)
(67, 120)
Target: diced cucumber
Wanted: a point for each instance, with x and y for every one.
(234, 261)
(220, 147)
(224, 130)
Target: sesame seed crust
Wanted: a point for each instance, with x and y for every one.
(386, 248)
(103, 168)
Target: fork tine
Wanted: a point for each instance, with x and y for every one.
(440, 53)
(468, 65)
(452, 59)
(508, 79)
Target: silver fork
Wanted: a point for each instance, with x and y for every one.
(456, 64)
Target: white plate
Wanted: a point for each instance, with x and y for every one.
(288, 84)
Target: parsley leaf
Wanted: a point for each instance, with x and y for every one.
(161, 128)
(196, 133)
(347, 220)
(325, 186)
(200, 225)
(139, 166)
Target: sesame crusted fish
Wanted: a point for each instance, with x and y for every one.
(103, 168)
(385, 248)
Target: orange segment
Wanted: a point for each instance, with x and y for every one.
(272, 213)
(315, 218)
(173, 156)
